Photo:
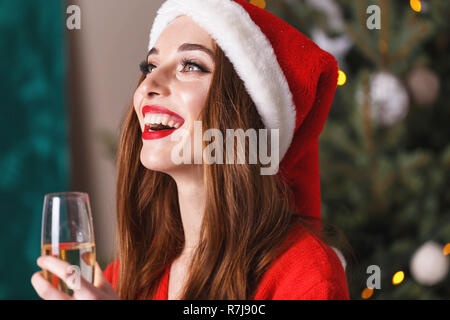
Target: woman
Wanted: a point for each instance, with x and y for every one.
(196, 229)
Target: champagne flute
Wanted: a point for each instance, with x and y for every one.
(68, 234)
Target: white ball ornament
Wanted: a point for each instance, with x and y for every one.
(428, 264)
(389, 99)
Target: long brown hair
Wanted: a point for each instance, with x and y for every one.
(246, 220)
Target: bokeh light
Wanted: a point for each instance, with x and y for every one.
(398, 277)
(446, 249)
(415, 5)
(342, 78)
(259, 3)
(367, 293)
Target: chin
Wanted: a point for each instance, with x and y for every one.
(156, 162)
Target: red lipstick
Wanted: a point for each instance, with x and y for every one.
(152, 135)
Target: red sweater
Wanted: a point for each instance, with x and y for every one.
(308, 270)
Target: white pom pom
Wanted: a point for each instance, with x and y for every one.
(429, 265)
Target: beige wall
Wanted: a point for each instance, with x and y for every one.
(102, 75)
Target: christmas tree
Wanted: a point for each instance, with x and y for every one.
(385, 151)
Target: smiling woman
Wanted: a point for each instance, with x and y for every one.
(223, 231)
(212, 231)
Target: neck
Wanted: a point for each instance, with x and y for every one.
(191, 198)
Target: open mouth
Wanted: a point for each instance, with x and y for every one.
(160, 122)
(158, 127)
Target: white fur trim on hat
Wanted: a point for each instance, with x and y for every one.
(250, 52)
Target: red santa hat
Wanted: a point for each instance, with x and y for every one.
(289, 78)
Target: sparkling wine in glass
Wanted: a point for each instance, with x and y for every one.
(68, 234)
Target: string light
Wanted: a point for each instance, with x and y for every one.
(398, 277)
(416, 5)
(259, 3)
(342, 78)
(446, 249)
(367, 293)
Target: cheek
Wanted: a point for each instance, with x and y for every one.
(137, 98)
(195, 101)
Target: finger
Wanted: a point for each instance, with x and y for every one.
(45, 290)
(56, 266)
(99, 277)
(82, 289)
(102, 283)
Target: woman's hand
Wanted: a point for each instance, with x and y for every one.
(100, 290)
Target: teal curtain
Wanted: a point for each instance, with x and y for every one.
(33, 133)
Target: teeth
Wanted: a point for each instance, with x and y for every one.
(163, 119)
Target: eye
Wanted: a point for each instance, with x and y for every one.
(187, 62)
(191, 64)
(144, 66)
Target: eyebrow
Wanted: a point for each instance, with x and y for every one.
(187, 47)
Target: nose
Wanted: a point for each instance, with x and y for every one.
(155, 83)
